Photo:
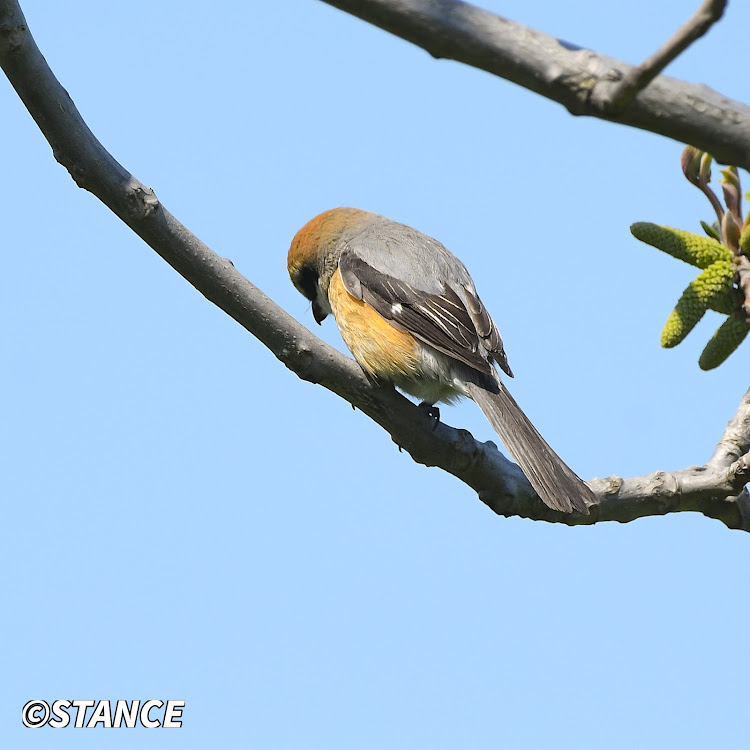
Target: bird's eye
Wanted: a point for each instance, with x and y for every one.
(307, 282)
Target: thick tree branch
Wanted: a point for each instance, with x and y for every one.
(636, 79)
(579, 79)
(715, 490)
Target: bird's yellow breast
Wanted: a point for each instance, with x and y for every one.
(381, 349)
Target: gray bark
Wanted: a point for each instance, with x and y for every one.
(583, 81)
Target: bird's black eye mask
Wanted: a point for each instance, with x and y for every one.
(307, 282)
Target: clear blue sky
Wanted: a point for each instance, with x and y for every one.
(184, 518)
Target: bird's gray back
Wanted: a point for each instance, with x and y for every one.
(404, 253)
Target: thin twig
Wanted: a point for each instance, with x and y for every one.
(637, 78)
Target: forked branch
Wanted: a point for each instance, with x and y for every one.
(581, 80)
(637, 78)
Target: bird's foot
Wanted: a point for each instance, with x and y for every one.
(432, 412)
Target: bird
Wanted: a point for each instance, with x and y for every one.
(409, 312)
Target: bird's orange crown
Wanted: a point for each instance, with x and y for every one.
(308, 248)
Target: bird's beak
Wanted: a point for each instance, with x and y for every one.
(318, 313)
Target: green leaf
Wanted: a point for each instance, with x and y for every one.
(711, 230)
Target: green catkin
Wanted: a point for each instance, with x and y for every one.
(710, 289)
(726, 339)
(715, 286)
(691, 248)
(687, 312)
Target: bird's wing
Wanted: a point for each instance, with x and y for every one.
(456, 325)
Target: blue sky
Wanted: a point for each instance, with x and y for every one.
(185, 519)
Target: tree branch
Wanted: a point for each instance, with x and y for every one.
(714, 490)
(735, 442)
(581, 80)
(636, 79)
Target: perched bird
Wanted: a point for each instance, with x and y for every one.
(409, 312)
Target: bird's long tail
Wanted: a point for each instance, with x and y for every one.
(556, 483)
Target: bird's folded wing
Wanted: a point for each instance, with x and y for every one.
(458, 326)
